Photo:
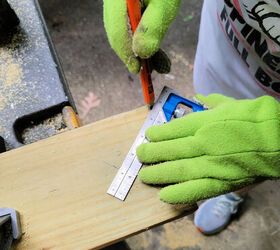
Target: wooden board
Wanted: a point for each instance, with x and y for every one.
(59, 187)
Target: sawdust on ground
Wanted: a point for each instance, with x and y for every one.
(11, 71)
(46, 128)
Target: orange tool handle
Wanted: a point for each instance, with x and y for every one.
(134, 12)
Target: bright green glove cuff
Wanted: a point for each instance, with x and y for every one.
(215, 151)
(155, 21)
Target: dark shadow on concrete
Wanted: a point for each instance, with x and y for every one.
(122, 245)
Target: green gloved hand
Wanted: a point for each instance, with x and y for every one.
(205, 154)
(155, 21)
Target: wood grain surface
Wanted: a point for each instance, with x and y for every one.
(59, 186)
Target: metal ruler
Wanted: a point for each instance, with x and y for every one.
(164, 109)
(131, 165)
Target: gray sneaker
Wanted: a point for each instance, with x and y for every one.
(214, 214)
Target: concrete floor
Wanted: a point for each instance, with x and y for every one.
(101, 87)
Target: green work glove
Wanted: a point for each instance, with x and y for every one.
(208, 153)
(155, 21)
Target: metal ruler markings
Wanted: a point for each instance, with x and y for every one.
(127, 173)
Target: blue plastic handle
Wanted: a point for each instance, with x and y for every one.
(172, 102)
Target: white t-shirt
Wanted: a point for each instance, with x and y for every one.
(238, 52)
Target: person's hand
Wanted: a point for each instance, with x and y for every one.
(145, 42)
(208, 153)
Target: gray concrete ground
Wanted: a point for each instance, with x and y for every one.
(101, 87)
